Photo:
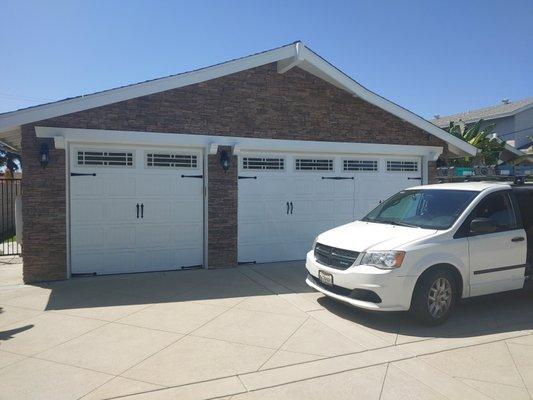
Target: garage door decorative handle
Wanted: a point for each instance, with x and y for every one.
(192, 176)
(142, 210)
(291, 207)
(337, 178)
(287, 208)
(247, 177)
(419, 178)
(137, 210)
(78, 174)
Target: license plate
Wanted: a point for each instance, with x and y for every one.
(325, 277)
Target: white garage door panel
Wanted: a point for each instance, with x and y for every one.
(303, 186)
(253, 210)
(106, 234)
(189, 211)
(185, 235)
(88, 237)
(101, 263)
(152, 236)
(155, 259)
(120, 237)
(187, 256)
(267, 233)
(314, 208)
(162, 186)
(156, 210)
(92, 211)
(249, 231)
(125, 187)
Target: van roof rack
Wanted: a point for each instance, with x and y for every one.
(514, 179)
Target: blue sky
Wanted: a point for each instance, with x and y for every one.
(433, 57)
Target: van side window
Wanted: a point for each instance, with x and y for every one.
(498, 208)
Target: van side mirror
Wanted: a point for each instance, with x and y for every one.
(482, 225)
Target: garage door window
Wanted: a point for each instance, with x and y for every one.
(263, 164)
(171, 160)
(360, 165)
(109, 158)
(308, 164)
(402, 166)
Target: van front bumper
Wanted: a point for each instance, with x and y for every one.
(364, 286)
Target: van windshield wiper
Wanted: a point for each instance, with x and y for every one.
(390, 222)
(399, 223)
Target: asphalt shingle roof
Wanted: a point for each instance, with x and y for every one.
(483, 113)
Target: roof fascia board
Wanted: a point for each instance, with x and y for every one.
(508, 147)
(355, 88)
(513, 150)
(240, 144)
(39, 113)
(296, 52)
(289, 63)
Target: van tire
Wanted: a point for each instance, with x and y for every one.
(440, 285)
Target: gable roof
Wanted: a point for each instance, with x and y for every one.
(286, 57)
(486, 113)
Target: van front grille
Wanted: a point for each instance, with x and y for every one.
(334, 257)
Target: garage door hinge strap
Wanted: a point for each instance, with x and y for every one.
(192, 176)
(337, 178)
(247, 177)
(77, 174)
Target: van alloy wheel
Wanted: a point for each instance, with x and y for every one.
(439, 297)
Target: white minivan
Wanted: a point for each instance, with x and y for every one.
(427, 247)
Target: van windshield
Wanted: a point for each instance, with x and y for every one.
(429, 209)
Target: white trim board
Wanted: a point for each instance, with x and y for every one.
(287, 57)
(62, 136)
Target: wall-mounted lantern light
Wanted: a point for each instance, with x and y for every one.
(224, 160)
(44, 155)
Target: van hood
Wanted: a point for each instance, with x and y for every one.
(362, 236)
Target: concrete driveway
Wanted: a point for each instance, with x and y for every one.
(253, 332)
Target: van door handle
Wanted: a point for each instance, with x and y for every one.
(137, 210)
(291, 207)
(287, 208)
(142, 210)
(517, 239)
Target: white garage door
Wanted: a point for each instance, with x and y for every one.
(135, 209)
(285, 201)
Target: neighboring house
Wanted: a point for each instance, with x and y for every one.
(244, 161)
(527, 148)
(513, 120)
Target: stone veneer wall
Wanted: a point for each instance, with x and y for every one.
(222, 211)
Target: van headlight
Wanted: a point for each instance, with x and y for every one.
(314, 244)
(383, 259)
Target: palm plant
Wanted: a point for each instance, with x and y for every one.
(490, 147)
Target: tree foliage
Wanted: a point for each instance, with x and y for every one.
(490, 147)
(9, 161)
